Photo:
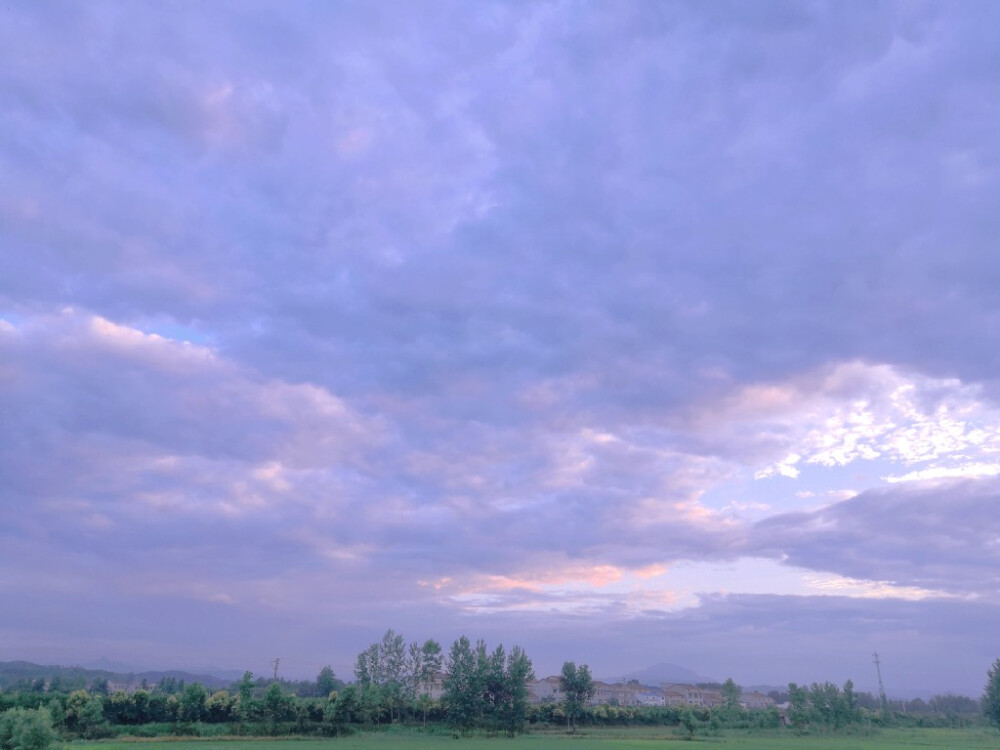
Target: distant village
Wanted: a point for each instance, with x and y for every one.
(633, 694)
(549, 690)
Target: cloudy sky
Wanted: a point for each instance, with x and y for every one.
(626, 331)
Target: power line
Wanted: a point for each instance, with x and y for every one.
(275, 665)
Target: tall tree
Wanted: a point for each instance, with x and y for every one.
(326, 682)
(517, 674)
(193, 702)
(277, 706)
(368, 667)
(991, 695)
(462, 685)
(578, 688)
(492, 670)
(425, 666)
(731, 695)
(799, 710)
(383, 665)
(245, 701)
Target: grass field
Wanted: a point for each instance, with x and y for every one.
(638, 739)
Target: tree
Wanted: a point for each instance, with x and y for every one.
(687, 720)
(462, 689)
(119, 708)
(85, 715)
(140, 706)
(326, 682)
(991, 695)
(371, 703)
(219, 707)
(578, 688)
(245, 700)
(487, 688)
(384, 665)
(193, 701)
(515, 710)
(850, 700)
(26, 729)
(432, 662)
(828, 703)
(278, 707)
(494, 686)
(345, 708)
(731, 695)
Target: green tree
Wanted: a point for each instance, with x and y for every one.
(278, 707)
(140, 706)
(244, 704)
(326, 682)
(730, 694)
(371, 704)
(850, 698)
(345, 708)
(516, 675)
(219, 707)
(57, 711)
(578, 688)
(74, 709)
(119, 708)
(991, 695)
(494, 686)
(384, 665)
(26, 729)
(799, 712)
(193, 701)
(824, 698)
(687, 720)
(487, 688)
(89, 716)
(462, 685)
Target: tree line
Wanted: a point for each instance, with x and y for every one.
(471, 688)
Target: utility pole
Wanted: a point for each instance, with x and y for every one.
(881, 689)
(275, 664)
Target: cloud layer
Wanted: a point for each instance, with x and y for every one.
(549, 321)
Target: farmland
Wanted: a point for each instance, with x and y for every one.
(619, 739)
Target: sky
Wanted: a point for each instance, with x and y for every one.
(628, 332)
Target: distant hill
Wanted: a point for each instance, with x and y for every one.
(19, 673)
(208, 672)
(664, 672)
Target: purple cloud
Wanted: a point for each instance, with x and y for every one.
(489, 318)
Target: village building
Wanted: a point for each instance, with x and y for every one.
(548, 690)
(617, 694)
(755, 701)
(690, 695)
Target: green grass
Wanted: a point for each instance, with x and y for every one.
(592, 739)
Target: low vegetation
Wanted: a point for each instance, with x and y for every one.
(481, 692)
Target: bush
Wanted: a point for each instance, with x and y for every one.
(26, 729)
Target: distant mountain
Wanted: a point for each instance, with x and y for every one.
(106, 665)
(199, 672)
(15, 672)
(664, 672)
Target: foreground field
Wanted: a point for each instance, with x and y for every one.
(890, 739)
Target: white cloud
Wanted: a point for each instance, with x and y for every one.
(859, 412)
(966, 471)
